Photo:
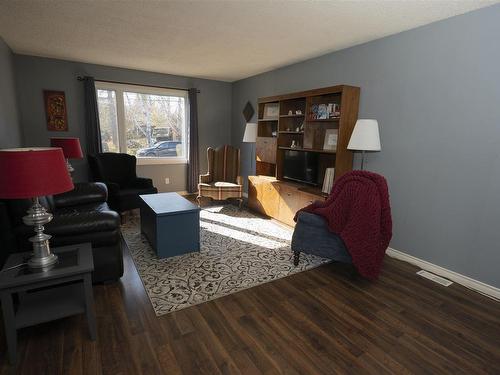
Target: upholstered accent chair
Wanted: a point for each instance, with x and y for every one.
(223, 180)
(118, 172)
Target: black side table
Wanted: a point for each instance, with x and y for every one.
(63, 291)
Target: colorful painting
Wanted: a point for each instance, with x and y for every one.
(55, 110)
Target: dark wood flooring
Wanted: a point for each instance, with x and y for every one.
(316, 322)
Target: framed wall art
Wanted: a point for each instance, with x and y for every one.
(55, 110)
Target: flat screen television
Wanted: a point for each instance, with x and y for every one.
(301, 166)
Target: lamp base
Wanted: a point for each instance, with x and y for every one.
(42, 257)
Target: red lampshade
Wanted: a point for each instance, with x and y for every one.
(70, 146)
(33, 172)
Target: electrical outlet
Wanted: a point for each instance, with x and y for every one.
(167, 180)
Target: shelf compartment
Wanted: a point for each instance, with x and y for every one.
(290, 132)
(332, 119)
(287, 116)
(308, 150)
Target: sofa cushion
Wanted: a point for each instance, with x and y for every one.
(312, 236)
(85, 219)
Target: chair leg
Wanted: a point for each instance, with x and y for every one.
(240, 203)
(296, 258)
(198, 199)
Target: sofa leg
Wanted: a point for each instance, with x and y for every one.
(296, 258)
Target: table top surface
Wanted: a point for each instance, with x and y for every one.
(72, 260)
(164, 204)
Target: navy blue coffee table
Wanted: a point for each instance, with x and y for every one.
(171, 224)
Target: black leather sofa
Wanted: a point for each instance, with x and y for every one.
(81, 215)
(118, 172)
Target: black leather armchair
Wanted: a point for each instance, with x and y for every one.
(118, 172)
(81, 215)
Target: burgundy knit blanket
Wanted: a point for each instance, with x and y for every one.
(358, 210)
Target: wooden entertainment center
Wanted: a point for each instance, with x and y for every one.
(298, 123)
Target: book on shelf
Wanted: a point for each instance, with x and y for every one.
(328, 180)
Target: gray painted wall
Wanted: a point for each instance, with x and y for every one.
(435, 91)
(10, 131)
(34, 74)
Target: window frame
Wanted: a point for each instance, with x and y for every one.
(119, 89)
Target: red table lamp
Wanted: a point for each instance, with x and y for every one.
(32, 173)
(71, 149)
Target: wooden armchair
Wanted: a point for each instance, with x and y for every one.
(223, 180)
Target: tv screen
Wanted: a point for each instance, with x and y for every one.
(301, 166)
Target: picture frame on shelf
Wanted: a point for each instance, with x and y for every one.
(328, 180)
(271, 110)
(331, 137)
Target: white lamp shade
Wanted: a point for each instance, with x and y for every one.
(250, 135)
(365, 136)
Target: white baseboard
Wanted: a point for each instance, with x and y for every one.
(478, 286)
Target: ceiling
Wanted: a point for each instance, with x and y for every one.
(224, 40)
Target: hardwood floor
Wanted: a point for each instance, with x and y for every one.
(315, 322)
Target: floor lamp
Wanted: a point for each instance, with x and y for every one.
(365, 137)
(250, 136)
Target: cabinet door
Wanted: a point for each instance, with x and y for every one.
(265, 149)
(289, 204)
(305, 199)
(255, 194)
(270, 199)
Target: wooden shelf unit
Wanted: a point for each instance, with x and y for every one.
(275, 136)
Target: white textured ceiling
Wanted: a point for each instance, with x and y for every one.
(225, 40)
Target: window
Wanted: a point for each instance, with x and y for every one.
(148, 122)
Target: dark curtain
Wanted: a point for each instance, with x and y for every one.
(194, 163)
(92, 126)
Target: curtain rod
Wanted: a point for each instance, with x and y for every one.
(80, 78)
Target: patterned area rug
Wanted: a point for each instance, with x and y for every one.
(238, 251)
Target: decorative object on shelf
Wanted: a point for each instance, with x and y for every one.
(314, 112)
(288, 129)
(333, 110)
(250, 136)
(248, 111)
(271, 110)
(302, 126)
(71, 149)
(290, 113)
(33, 173)
(322, 112)
(293, 145)
(274, 133)
(328, 180)
(297, 129)
(365, 137)
(331, 136)
(298, 112)
(55, 110)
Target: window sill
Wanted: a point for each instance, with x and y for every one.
(155, 161)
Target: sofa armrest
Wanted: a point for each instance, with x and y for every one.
(113, 188)
(83, 193)
(205, 178)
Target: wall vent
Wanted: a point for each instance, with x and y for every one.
(435, 278)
